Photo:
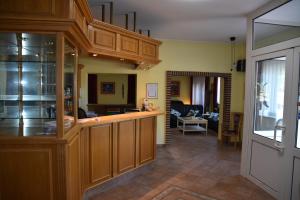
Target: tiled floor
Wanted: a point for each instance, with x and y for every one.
(193, 167)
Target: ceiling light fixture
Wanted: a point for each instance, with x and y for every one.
(94, 54)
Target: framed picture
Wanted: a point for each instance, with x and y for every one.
(175, 88)
(107, 87)
(151, 89)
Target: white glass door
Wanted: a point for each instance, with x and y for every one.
(271, 84)
(295, 130)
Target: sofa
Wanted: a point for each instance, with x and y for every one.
(213, 121)
(179, 109)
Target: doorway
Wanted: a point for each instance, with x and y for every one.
(226, 97)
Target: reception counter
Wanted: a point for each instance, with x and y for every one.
(93, 151)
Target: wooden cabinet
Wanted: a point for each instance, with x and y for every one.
(73, 17)
(112, 149)
(147, 137)
(59, 169)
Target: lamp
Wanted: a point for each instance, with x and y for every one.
(233, 63)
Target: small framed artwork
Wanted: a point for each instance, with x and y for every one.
(151, 89)
(107, 87)
(175, 88)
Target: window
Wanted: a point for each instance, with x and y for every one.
(218, 90)
(269, 99)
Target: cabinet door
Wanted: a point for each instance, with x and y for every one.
(125, 146)
(147, 138)
(100, 153)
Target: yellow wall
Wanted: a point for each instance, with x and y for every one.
(185, 89)
(117, 98)
(175, 56)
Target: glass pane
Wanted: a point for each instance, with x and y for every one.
(269, 97)
(69, 68)
(278, 25)
(267, 34)
(27, 84)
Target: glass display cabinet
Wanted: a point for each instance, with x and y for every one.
(28, 84)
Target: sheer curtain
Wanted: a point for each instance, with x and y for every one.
(272, 79)
(198, 95)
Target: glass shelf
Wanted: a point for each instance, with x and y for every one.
(27, 84)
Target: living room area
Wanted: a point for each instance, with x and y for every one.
(196, 97)
(201, 104)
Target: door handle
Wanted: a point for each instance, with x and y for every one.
(279, 145)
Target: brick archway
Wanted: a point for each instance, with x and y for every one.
(226, 97)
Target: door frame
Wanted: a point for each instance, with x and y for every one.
(226, 97)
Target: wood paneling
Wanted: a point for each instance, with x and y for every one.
(100, 153)
(129, 45)
(118, 43)
(26, 173)
(28, 7)
(73, 172)
(125, 147)
(147, 139)
(80, 18)
(105, 39)
(85, 158)
(73, 17)
(149, 50)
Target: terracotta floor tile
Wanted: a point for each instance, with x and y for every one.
(194, 165)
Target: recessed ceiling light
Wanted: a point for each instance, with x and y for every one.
(94, 54)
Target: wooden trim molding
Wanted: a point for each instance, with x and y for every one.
(226, 101)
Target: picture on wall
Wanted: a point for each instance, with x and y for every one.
(107, 87)
(175, 88)
(151, 89)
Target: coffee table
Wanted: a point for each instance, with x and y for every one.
(192, 124)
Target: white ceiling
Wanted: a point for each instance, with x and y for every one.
(200, 20)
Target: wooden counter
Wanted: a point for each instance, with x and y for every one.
(117, 118)
(94, 151)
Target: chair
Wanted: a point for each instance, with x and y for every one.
(234, 132)
(81, 113)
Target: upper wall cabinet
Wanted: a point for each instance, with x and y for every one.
(112, 41)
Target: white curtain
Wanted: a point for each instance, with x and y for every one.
(198, 95)
(272, 84)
